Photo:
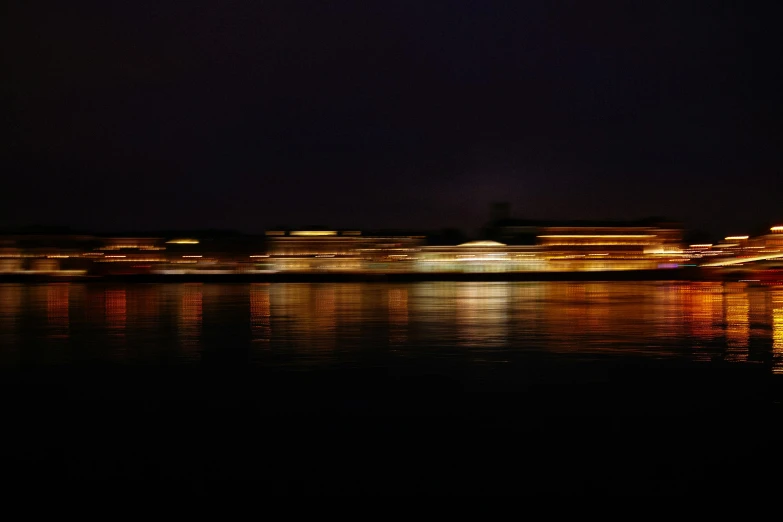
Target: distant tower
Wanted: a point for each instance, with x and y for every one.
(500, 211)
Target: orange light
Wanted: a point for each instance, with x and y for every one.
(314, 233)
(623, 236)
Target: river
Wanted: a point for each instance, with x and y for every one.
(225, 380)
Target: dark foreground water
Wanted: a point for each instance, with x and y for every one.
(446, 387)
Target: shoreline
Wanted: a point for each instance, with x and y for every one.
(694, 274)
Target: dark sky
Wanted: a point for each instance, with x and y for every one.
(248, 114)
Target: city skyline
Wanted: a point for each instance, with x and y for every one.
(508, 249)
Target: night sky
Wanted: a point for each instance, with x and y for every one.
(250, 114)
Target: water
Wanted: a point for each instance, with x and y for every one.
(442, 387)
(311, 326)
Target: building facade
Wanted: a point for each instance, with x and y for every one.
(346, 251)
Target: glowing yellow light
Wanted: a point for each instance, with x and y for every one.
(744, 260)
(183, 241)
(192, 256)
(777, 228)
(264, 255)
(629, 236)
(482, 244)
(314, 233)
(705, 245)
(734, 238)
(132, 260)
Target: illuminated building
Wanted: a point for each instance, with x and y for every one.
(44, 252)
(539, 246)
(775, 238)
(480, 256)
(215, 252)
(131, 243)
(596, 245)
(615, 247)
(127, 255)
(10, 260)
(744, 253)
(506, 246)
(331, 250)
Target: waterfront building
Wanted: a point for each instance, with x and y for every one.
(480, 256)
(44, 251)
(124, 255)
(346, 250)
(566, 246)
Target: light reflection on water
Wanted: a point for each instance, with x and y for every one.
(189, 314)
(482, 314)
(57, 307)
(777, 331)
(304, 325)
(398, 316)
(10, 307)
(737, 326)
(260, 313)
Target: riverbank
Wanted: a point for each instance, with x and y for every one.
(683, 274)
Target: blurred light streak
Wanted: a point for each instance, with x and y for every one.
(737, 308)
(777, 330)
(314, 233)
(741, 260)
(260, 313)
(398, 315)
(57, 310)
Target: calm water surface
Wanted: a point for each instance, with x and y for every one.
(303, 326)
(395, 388)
